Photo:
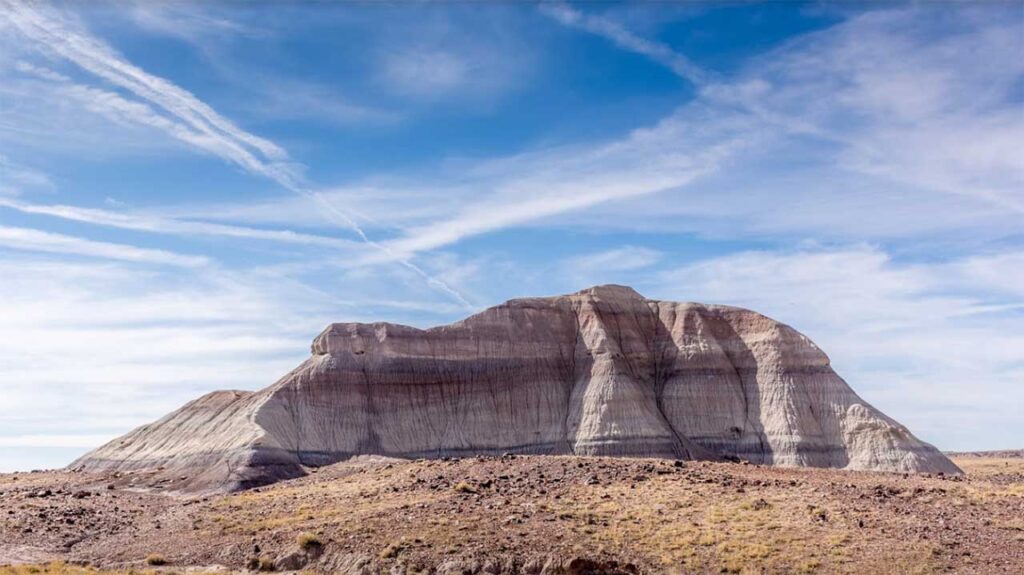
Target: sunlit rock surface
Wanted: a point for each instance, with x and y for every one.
(603, 371)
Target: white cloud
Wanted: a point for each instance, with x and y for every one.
(882, 126)
(471, 58)
(426, 73)
(183, 126)
(16, 179)
(280, 98)
(220, 32)
(163, 225)
(626, 258)
(193, 23)
(40, 241)
(552, 182)
(909, 106)
(64, 38)
(470, 199)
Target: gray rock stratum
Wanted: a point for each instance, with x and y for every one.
(603, 371)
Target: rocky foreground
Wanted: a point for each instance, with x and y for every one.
(530, 514)
(601, 372)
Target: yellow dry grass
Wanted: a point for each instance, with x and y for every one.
(985, 467)
(730, 532)
(712, 518)
(703, 528)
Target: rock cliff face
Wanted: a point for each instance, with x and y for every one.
(603, 371)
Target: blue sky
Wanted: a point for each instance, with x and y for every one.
(190, 192)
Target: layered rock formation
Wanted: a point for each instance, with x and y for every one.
(603, 371)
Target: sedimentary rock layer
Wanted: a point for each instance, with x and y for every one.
(603, 371)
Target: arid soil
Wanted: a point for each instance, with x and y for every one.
(530, 515)
(999, 454)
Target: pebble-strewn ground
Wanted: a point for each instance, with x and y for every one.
(535, 514)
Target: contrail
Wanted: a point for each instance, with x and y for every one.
(678, 63)
(252, 153)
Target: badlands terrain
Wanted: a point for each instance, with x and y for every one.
(596, 432)
(526, 514)
(600, 372)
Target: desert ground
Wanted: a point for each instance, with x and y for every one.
(521, 514)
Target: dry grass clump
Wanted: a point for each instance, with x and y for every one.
(308, 540)
(463, 487)
(155, 559)
(265, 563)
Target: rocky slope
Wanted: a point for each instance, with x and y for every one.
(603, 371)
(529, 515)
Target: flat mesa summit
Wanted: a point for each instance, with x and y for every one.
(604, 371)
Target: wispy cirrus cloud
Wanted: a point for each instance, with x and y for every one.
(620, 36)
(16, 178)
(63, 38)
(427, 74)
(40, 241)
(436, 57)
(814, 124)
(191, 120)
(617, 265)
(194, 23)
(619, 259)
(164, 225)
(119, 109)
(249, 152)
(535, 187)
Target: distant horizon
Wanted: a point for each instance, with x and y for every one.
(190, 192)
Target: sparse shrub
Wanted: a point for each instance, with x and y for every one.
(308, 540)
(463, 487)
(155, 559)
(266, 563)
